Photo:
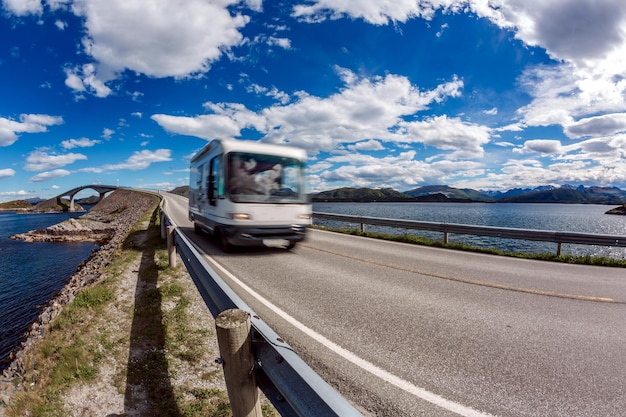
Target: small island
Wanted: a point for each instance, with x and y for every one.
(621, 210)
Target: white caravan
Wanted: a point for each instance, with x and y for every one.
(248, 193)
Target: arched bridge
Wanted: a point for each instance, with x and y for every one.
(100, 189)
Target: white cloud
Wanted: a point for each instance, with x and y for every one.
(544, 146)
(465, 139)
(79, 143)
(365, 109)
(40, 160)
(141, 160)
(6, 173)
(378, 12)
(282, 42)
(23, 7)
(107, 133)
(84, 79)
(369, 145)
(173, 39)
(29, 123)
(603, 125)
(49, 175)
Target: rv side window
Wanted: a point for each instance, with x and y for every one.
(215, 180)
(197, 173)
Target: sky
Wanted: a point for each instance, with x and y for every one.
(484, 94)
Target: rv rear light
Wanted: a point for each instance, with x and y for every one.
(239, 216)
(305, 216)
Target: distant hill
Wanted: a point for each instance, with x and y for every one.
(497, 195)
(361, 195)
(183, 190)
(15, 204)
(450, 192)
(443, 193)
(52, 205)
(591, 195)
(88, 201)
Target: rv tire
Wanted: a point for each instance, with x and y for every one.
(222, 241)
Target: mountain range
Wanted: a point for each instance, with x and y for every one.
(566, 194)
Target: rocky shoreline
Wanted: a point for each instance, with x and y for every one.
(621, 210)
(107, 223)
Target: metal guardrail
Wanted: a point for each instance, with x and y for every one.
(292, 387)
(500, 232)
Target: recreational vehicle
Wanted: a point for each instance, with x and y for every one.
(247, 193)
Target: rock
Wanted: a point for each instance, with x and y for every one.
(621, 210)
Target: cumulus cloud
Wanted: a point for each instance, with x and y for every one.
(378, 12)
(83, 79)
(544, 146)
(28, 123)
(79, 143)
(137, 161)
(368, 145)
(175, 39)
(49, 175)
(6, 173)
(40, 160)
(23, 7)
(365, 109)
(465, 139)
(603, 125)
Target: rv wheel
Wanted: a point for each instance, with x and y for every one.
(222, 241)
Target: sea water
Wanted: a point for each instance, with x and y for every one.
(31, 273)
(584, 218)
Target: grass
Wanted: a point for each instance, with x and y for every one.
(420, 240)
(155, 343)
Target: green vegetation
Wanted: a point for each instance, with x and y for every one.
(420, 240)
(147, 335)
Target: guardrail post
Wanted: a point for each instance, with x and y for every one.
(171, 247)
(558, 249)
(163, 226)
(445, 237)
(362, 227)
(233, 336)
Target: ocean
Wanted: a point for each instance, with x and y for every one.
(584, 218)
(31, 273)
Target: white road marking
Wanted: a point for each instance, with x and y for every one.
(362, 363)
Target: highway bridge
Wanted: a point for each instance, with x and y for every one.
(402, 330)
(102, 190)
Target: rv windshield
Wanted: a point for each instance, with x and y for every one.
(256, 178)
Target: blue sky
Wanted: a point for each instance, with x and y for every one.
(381, 93)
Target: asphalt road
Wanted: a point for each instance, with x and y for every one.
(404, 330)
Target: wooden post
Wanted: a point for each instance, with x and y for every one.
(233, 336)
(171, 247)
(163, 226)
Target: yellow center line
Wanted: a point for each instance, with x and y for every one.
(467, 281)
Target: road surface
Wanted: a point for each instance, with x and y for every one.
(403, 330)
